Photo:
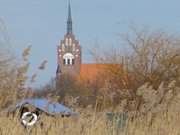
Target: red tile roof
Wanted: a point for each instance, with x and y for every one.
(90, 72)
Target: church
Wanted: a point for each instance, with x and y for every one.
(69, 51)
(69, 57)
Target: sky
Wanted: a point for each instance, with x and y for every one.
(42, 24)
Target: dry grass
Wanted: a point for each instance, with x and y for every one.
(87, 124)
(159, 114)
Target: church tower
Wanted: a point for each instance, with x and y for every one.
(69, 51)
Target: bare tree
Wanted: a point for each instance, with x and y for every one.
(155, 57)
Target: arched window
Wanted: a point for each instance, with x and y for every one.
(73, 47)
(66, 41)
(68, 59)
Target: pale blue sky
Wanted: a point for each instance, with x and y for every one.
(42, 24)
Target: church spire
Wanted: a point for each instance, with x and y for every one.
(69, 20)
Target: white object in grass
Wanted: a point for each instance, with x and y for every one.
(33, 120)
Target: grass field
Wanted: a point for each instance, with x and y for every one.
(95, 124)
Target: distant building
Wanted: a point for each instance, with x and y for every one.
(69, 51)
(69, 58)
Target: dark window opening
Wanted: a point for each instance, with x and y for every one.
(73, 62)
(68, 62)
(64, 61)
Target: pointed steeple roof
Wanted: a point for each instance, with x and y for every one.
(69, 20)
